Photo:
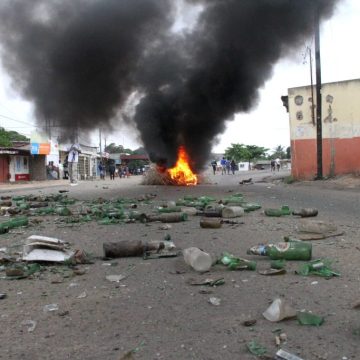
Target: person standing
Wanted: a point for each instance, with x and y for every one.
(101, 170)
(272, 165)
(233, 166)
(214, 166)
(228, 166)
(73, 159)
(223, 166)
(278, 164)
(112, 171)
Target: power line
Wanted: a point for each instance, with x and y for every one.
(20, 121)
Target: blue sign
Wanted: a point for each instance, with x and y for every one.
(35, 149)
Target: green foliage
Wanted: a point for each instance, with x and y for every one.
(6, 137)
(139, 151)
(288, 152)
(241, 152)
(289, 180)
(279, 152)
(116, 149)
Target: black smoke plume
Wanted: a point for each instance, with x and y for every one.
(80, 60)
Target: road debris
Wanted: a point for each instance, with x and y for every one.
(279, 310)
(256, 349)
(199, 260)
(30, 324)
(235, 263)
(285, 355)
(319, 267)
(306, 212)
(207, 282)
(115, 278)
(316, 227)
(128, 248)
(284, 210)
(215, 301)
(210, 223)
(307, 318)
(248, 323)
(51, 307)
(43, 248)
(283, 250)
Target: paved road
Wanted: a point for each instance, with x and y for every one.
(156, 307)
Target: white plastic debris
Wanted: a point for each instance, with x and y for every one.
(31, 325)
(279, 310)
(82, 295)
(215, 301)
(115, 278)
(51, 307)
(43, 248)
(284, 355)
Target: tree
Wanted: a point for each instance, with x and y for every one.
(241, 152)
(116, 149)
(7, 137)
(279, 152)
(288, 152)
(238, 152)
(139, 151)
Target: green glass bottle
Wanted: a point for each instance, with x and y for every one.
(284, 210)
(283, 250)
(235, 263)
(13, 223)
(250, 206)
(170, 209)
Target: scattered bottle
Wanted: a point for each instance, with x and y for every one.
(234, 263)
(316, 226)
(283, 250)
(232, 212)
(213, 210)
(306, 212)
(199, 260)
(210, 223)
(284, 210)
(63, 211)
(319, 267)
(13, 223)
(129, 248)
(6, 203)
(250, 206)
(170, 209)
(168, 218)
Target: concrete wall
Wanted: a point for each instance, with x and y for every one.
(37, 167)
(340, 128)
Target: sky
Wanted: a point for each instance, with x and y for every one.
(267, 124)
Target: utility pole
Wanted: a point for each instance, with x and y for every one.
(100, 142)
(312, 87)
(318, 97)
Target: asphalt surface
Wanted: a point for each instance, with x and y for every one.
(154, 312)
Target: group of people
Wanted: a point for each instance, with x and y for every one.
(121, 172)
(275, 164)
(227, 165)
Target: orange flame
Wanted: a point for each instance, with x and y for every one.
(181, 172)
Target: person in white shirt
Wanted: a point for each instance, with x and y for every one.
(278, 164)
(73, 159)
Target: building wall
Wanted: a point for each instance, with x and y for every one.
(4, 168)
(19, 168)
(37, 167)
(340, 129)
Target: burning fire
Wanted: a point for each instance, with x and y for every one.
(181, 173)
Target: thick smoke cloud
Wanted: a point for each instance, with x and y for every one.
(80, 60)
